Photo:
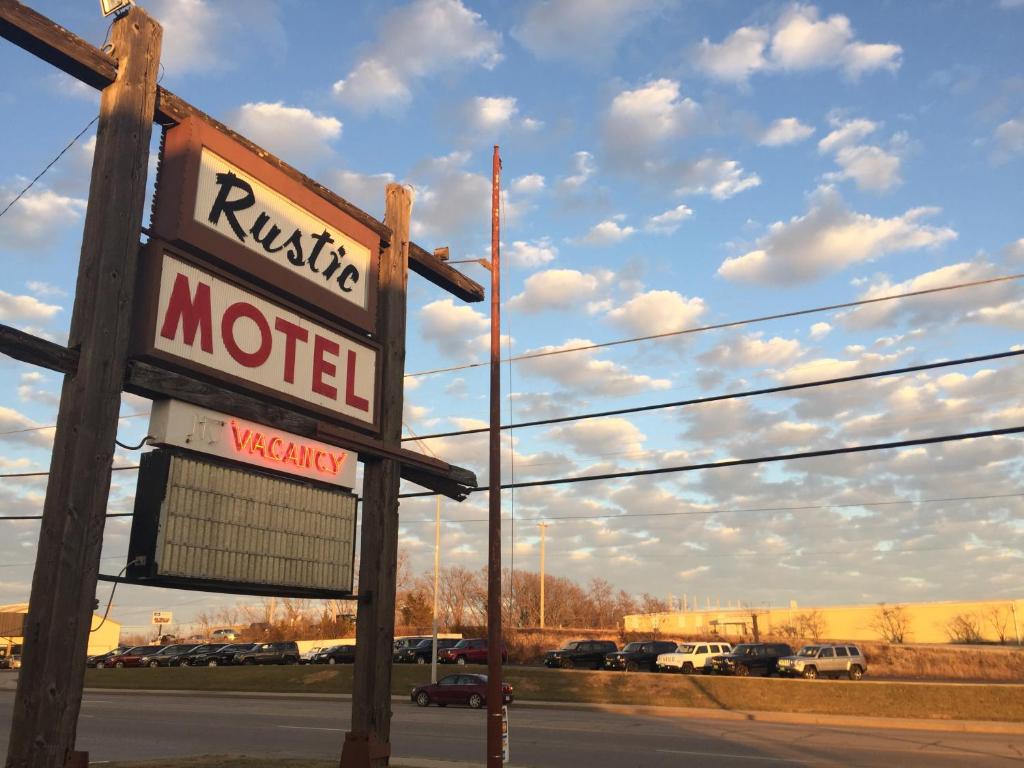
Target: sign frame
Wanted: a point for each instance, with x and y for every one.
(174, 220)
(162, 618)
(146, 319)
(143, 539)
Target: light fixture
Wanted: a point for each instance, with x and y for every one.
(109, 7)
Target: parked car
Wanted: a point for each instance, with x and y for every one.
(10, 662)
(751, 658)
(222, 656)
(401, 643)
(638, 656)
(130, 657)
(336, 654)
(286, 652)
(224, 634)
(813, 661)
(189, 659)
(92, 661)
(420, 653)
(458, 689)
(469, 651)
(692, 657)
(580, 653)
(168, 656)
(307, 656)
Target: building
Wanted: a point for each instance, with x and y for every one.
(105, 637)
(938, 622)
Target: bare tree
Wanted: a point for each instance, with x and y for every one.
(811, 625)
(964, 628)
(891, 622)
(998, 618)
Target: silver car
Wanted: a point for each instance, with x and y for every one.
(813, 661)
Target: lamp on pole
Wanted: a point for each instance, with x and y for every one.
(543, 530)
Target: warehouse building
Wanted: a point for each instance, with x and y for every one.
(104, 637)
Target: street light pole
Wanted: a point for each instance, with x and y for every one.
(543, 530)
(437, 567)
(495, 700)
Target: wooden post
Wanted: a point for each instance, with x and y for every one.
(59, 618)
(368, 743)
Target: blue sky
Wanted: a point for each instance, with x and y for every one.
(666, 164)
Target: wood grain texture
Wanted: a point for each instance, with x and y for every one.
(49, 693)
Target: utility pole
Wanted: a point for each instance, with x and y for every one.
(495, 699)
(49, 694)
(543, 530)
(437, 568)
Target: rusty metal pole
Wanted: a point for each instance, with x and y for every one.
(494, 635)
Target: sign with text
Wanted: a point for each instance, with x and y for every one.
(215, 195)
(162, 617)
(195, 318)
(208, 524)
(218, 434)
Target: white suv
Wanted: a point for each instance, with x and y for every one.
(691, 657)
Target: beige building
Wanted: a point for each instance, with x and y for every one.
(104, 638)
(923, 622)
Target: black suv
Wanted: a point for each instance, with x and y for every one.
(751, 658)
(219, 657)
(420, 653)
(168, 656)
(336, 654)
(270, 653)
(637, 656)
(580, 653)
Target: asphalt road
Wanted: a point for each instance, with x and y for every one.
(117, 726)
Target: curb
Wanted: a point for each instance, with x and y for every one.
(785, 718)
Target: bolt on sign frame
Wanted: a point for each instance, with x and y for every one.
(98, 367)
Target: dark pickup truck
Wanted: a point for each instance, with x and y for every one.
(588, 654)
(638, 656)
(751, 659)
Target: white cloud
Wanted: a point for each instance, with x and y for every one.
(668, 222)
(820, 330)
(22, 429)
(531, 254)
(25, 309)
(869, 167)
(418, 40)
(599, 436)
(556, 289)
(1010, 315)
(785, 130)
(528, 185)
(713, 176)
(846, 133)
(31, 223)
(831, 237)
(583, 168)
(753, 351)
(40, 288)
(654, 312)
(294, 133)
(1015, 250)
(582, 373)
(607, 232)
(1009, 139)
(641, 119)
(799, 40)
(453, 328)
(580, 30)
(364, 190)
(492, 114)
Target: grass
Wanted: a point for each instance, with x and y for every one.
(886, 699)
(226, 761)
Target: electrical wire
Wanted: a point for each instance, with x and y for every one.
(144, 440)
(110, 602)
(54, 426)
(729, 324)
(746, 462)
(737, 395)
(48, 166)
(44, 474)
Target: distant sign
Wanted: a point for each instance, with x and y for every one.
(162, 617)
(199, 320)
(206, 524)
(200, 429)
(215, 195)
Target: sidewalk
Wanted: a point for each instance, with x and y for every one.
(793, 718)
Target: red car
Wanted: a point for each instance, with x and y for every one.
(131, 657)
(470, 651)
(457, 689)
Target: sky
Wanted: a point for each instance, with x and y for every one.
(666, 165)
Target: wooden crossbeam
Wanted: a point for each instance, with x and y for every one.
(65, 50)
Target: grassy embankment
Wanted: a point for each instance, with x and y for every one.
(887, 699)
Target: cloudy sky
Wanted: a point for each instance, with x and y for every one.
(666, 165)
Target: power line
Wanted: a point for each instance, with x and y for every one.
(729, 324)
(53, 426)
(40, 517)
(749, 510)
(745, 462)
(48, 166)
(735, 395)
(44, 474)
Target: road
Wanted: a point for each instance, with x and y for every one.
(117, 726)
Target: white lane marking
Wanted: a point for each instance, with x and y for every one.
(735, 757)
(309, 728)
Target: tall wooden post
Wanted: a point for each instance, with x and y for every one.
(59, 618)
(367, 744)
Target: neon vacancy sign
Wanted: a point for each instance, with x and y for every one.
(174, 423)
